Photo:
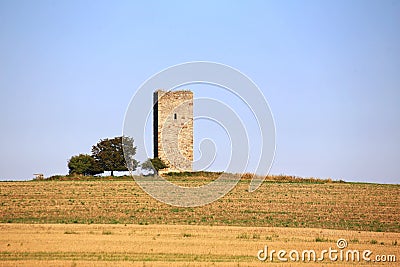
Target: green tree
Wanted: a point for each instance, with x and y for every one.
(154, 165)
(110, 155)
(83, 164)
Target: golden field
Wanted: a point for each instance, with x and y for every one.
(108, 223)
(173, 245)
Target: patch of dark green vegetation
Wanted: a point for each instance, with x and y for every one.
(74, 177)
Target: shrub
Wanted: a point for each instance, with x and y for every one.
(83, 164)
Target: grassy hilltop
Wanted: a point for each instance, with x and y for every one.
(110, 221)
(282, 201)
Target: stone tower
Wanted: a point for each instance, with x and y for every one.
(173, 129)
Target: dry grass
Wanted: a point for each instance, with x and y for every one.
(366, 207)
(170, 245)
(115, 223)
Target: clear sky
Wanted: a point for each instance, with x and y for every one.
(330, 71)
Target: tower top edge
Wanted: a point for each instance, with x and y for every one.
(183, 91)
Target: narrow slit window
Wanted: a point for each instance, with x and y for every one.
(175, 116)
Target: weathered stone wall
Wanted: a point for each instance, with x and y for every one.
(173, 129)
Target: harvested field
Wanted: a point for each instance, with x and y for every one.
(177, 245)
(346, 206)
(108, 223)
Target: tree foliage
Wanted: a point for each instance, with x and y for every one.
(154, 165)
(84, 164)
(110, 155)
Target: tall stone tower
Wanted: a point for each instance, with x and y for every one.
(173, 129)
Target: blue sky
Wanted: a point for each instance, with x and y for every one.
(329, 70)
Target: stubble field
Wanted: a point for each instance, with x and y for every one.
(102, 222)
(178, 245)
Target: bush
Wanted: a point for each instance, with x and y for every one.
(154, 165)
(84, 165)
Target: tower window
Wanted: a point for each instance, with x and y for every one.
(174, 116)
